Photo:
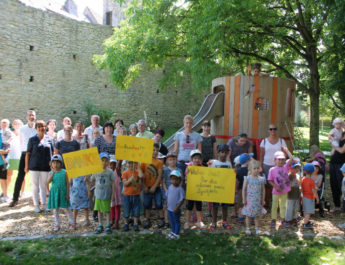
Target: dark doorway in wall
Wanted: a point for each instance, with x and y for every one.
(31, 78)
(109, 18)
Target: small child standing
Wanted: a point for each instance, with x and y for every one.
(223, 152)
(196, 158)
(59, 192)
(6, 134)
(336, 133)
(253, 194)
(342, 169)
(175, 198)
(131, 197)
(309, 194)
(318, 179)
(293, 200)
(103, 192)
(116, 200)
(278, 177)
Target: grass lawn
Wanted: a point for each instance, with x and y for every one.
(192, 248)
(323, 137)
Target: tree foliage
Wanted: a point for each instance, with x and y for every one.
(205, 39)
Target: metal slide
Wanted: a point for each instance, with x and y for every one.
(212, 106)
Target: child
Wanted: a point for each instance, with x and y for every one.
(196, 158)
(103, 192)
(278, 177)
(293, 199)
(342, 169)
(59, 192)
(317, 177)
(95, 134)
(116, 200)
(131, 197)
(6, 134)
(171, 161)
(223, 151)
(79, 198)
(309, 194)
(175, 198)
(335, 134)
(253, 194)
(152, 175)
(241, 172)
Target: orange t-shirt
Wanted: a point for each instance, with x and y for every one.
(134, 187)
(308, 184)
(151, 172)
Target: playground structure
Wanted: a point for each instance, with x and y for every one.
(247, 104)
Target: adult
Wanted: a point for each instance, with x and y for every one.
(118, 123)
(185, 142)
(94, 125)
(51, 126)
(81, 137)
(13, 159)
(268, 147)
(239, 145)
(37, 163)
(61, 134)
(67, 144)
(336, 176)
(133, 129)
(107, 141)
(157, 138)
(25, 133)
(208, 144)
(142, 130)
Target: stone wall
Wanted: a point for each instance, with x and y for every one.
(45, 64)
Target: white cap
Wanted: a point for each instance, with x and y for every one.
(195, 152)
(337, 120)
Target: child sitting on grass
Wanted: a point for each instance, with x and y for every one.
(175, 198)
(253, 194)
(103, 192)
(309, 191)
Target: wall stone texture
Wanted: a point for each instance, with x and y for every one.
(63, 77)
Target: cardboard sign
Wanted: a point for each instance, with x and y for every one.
(211, 184)
(134, 149)
(82, 162)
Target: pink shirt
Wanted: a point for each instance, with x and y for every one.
(280, 177)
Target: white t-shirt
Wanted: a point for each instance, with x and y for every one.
(270, 149)
(187, 143)
(25, 133)
(220, 164)
(15, 151)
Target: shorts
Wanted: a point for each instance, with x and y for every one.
(131, 204)
(216, 204)
(308, 205)
(190, 205)
(102, 205)
(157, 196)
(13, 164)
(3, 172)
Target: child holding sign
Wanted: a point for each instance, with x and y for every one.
(223, 151)
(131, 197)
(59, 192)
(103, 192)
(253, 193)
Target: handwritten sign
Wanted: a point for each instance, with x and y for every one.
(134, 149)
(211, 184)
(83, 162)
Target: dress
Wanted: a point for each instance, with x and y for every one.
(78, 194)
(254, 195)
(57, 193)
(117, 197)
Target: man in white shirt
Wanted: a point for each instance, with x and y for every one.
(94, 125)
(61, 134)
(142, 130)
(25, 133)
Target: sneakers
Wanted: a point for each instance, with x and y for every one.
(99, 229)
(172, 235)
(56, 228)
(186, 225)
(37, 209)
(258, 232)
(136, 228)
(342, 226)
(239, 221)
(308, 225)
(213, 226)
(4, 199)
(161, 223)
(147, 224)
(226, 225)
(201, 225)
(247, 231)
(273, 224)
(286, 224)
(125, 228)
(108, 229)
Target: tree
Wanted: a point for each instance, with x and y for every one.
(205, 39)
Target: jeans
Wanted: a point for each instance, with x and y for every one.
(20, 177)
(131, 204)
(175, 222)
(157, 196)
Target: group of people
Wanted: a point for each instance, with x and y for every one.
(36, 148)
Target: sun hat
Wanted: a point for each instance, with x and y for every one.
(316, 164)
(279, 155)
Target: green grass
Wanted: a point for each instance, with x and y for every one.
(323, 137)
(192, 248)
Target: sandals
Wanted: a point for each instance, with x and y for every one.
(99, 229)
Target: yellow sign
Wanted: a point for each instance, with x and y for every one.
(211, 184)
(82, 163)
(136, 149)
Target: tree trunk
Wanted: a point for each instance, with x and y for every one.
(314, 118)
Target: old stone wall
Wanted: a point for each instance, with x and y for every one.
(45, 64)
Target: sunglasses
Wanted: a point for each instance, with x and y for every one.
(188, 139)
(273, 129)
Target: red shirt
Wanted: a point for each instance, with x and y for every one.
(308, 184)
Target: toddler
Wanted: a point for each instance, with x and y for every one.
(336, 133)
(95, 134)
(116, 200)
(6, 134)
(253, 194)
(59, 192)
(175, 198)
(317, 177)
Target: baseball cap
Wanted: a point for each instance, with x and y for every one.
(160, 156)
(342, 169)
(112, 159)
(279, 155)
(223, 147)
(309, 167)
(296, 164)
(171, 154)
(195, 152)
(104, 154)
(316, 164)
(176, 173)
(56, 158)
(244, 158)
(237, 160)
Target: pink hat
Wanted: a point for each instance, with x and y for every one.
(279, 155)
(316, 164)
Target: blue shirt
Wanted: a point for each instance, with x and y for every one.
(1, 160)
(174, 196)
